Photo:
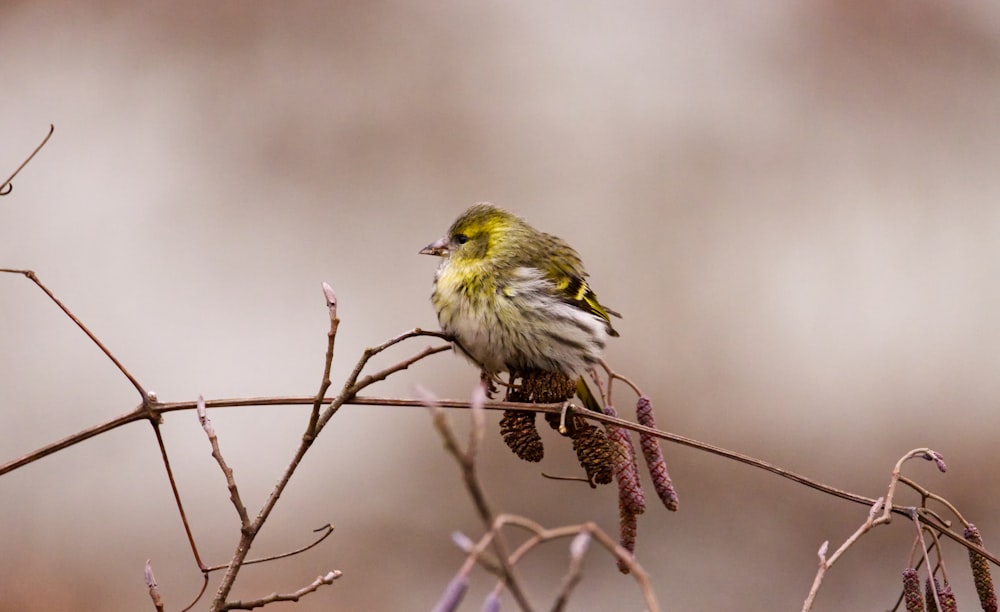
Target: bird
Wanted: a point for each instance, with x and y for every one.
(516, 299)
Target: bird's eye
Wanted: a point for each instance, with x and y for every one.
(461, 238)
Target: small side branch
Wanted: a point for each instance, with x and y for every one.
(331, 304)
(880, 514)
(326, 529)
(582, 535)
(467, 462)
(826, 563)
(6, 187)
(234, 492)
(275, 597)
(30, 275)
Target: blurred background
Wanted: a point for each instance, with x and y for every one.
(793, 204)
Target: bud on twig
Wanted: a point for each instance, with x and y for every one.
(453, 594)
(491, 603)
(578, 547)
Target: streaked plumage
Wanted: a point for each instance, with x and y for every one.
(515, 298)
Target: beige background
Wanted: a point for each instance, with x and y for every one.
(793, 203)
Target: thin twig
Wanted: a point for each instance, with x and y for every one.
(540, 535)
(204, 587)
(936, 547)
(234, 492)
(926, 494)
(577, 552)
(927, 558)
(566, 478)
(7, 184)
(139, 414)
(402, 365)
(350, 388)
(612, 375)
(177, 494)
(826, 563)
(30, 274)
(275, 597)
(326, 529)
(883, 508)
(331, 304)
(467, 462)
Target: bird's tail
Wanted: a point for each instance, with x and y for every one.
(587, 396)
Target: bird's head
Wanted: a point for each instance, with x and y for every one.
(477, 235)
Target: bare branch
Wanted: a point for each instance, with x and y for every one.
(204, 587)
(275, 597)
(29, 274)
(157, 409)
(825, 564)
(177, 495)
(326, 529)
(453, 594)
(541, 535)
(402, 365)
(927, 494)
(880, 513)
(331, 304)
(349, 390)
(467, 463)
(927, 559)
(7, 184)
(234, 493)
(577, 551)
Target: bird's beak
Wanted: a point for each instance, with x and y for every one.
(439, 248)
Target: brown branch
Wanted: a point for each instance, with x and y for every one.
(152, 410)
(331, 304)
(204, 587)
(177, 497)
(139, 414)
(121, 368)
(541, 535)
(349, 390)
(927, 560)
(275, 597)
(157, 409)
(577, 551)
(825, 563)
(880, 514)
(926, 494)
(402, 365)
(467, 462)
(326, 529)
(234, 492)
(7, 184)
